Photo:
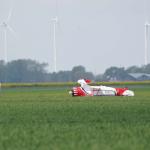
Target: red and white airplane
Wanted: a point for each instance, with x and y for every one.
(87, 90)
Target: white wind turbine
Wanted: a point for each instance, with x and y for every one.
(147, 25)
(55, 21)
(6, 27)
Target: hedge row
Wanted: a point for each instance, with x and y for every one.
(61, 84)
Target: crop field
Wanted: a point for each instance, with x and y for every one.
(47, 118)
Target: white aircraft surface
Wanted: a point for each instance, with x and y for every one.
(86, 90)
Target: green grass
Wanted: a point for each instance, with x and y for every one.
(50, 119)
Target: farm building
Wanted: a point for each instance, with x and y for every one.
(140, 76)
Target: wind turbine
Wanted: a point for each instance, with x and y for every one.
(55, 21)
(147, 25)
(6, 27)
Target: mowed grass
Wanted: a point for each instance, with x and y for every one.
(50, 119)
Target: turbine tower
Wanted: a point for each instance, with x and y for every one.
(6, 27)
(55, 21)
(147, 25)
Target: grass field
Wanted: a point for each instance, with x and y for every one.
(50, 119)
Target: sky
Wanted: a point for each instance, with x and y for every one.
(96, 34)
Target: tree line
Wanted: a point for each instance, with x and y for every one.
(27, 70)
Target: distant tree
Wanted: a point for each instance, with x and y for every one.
(25, 70)
(2, 71)
(64, 76)
(116, 74)
(79, 72)
(133, 69)
(142, 69)
(89, 75)
(61, 76)
(99, 78)
(147, 69)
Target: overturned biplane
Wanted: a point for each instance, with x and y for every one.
(86, 90)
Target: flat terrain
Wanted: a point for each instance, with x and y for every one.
(50, 119)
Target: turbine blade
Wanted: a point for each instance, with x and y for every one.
(9, 15)
(12, 31)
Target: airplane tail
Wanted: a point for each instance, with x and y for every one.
(83, 81)
(84, 85)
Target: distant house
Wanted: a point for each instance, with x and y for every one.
(140, 76)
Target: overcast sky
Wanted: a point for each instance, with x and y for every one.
(94, 33)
